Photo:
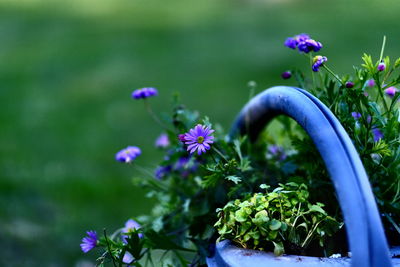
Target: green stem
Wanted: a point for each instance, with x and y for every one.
(153, 115)
(109, 248)
(219, 153)
(333, 74)
(383, 48)
(312, 72)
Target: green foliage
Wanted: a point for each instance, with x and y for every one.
(283, 219)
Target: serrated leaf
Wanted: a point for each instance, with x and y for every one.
(234, 179)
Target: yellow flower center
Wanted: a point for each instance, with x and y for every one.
(200, 139)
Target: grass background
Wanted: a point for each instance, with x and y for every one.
(67, 69)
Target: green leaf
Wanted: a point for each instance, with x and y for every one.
(317, 208)
(234, 179)
(275, 225)
(278, 248)
(241, 215)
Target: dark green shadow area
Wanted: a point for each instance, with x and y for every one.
(67, 69)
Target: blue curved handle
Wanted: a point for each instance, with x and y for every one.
(363, 224)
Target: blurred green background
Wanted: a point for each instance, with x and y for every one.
(67, 69)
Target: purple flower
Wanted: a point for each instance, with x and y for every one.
(277, 152)
(371, 83)
(318, 61)
(162, 141)
(302, 42)
(89, 242)
(129, 227)
(309, 45)
(366, 94)
(381, 66)
(369, 119)
(356, 115)
(391, 91)
(349, 85)
(161, 171)
(144, 93)
(128, 154)
(128, 258)
(291, 43)
(286, 75)
(377, 133)
(199, 138)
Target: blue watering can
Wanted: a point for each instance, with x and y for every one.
(365, 234)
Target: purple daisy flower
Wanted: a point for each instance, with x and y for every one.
(162, 141)
(371, 83)
(381, 66)
(144, 93)
(129, 227)
(377, 133)
(199, 138)
(356, 115)
(391, 91)
(89, 242)
(318, 61)
(128, 154)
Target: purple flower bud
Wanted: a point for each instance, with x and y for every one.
(391, 91)
(144, 93)
(371, 83)
(162, 141)
(349, 85)
(377, 133)
(366, 94)
(369, 119)
(381, 66)
(356, 115)
(286, 75)
(182, 138)
(318, 61)
(128, 154)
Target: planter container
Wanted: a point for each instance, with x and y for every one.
(365, 234)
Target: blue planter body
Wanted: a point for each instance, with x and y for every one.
(365, 232)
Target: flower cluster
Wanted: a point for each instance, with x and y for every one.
(303, 43)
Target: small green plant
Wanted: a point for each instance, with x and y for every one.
(283, 219)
